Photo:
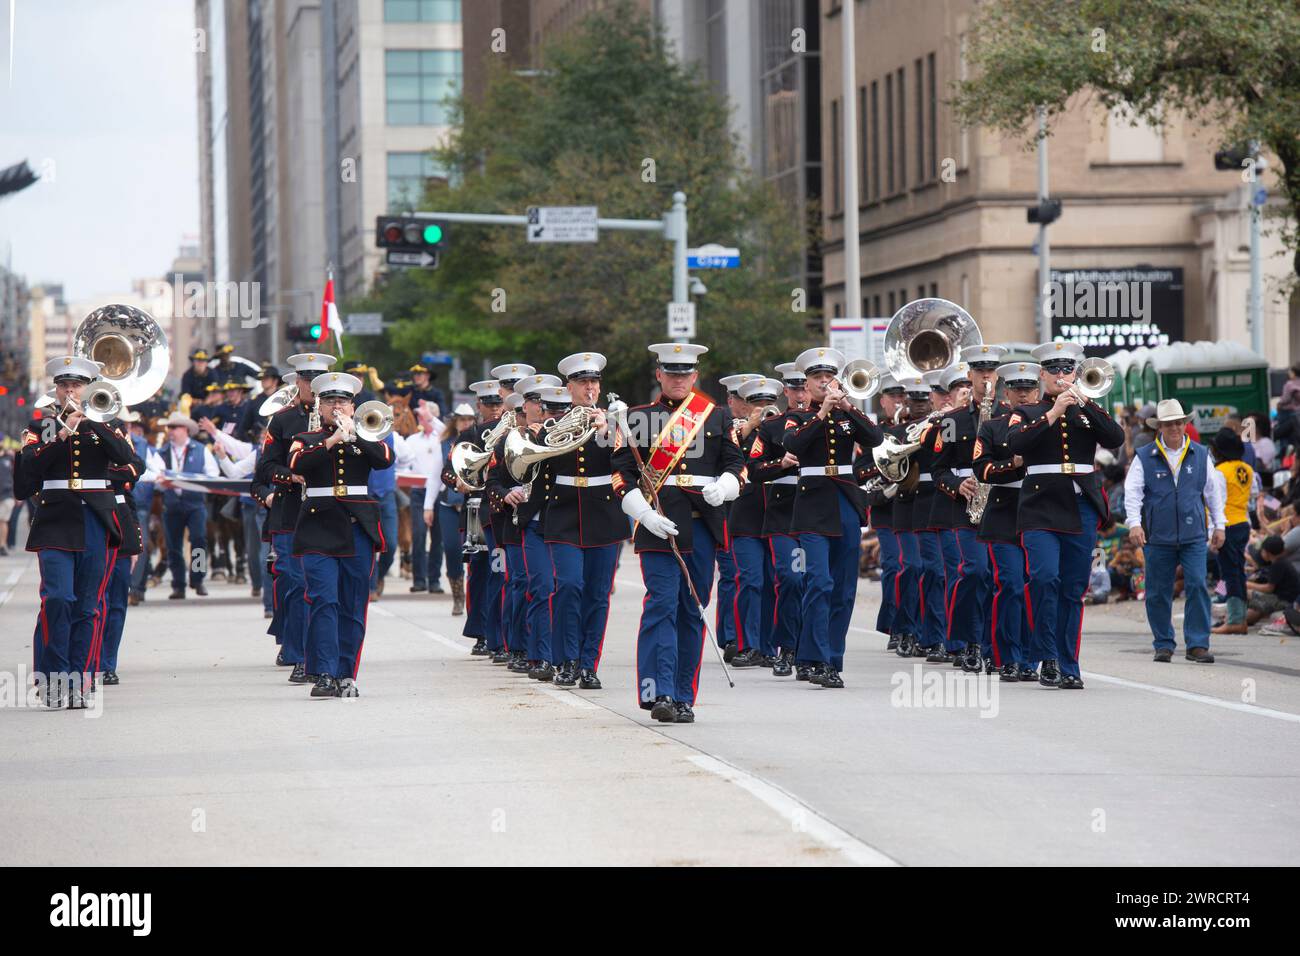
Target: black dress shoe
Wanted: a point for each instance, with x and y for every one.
(1009, 674)
(347, 687)
(892, 643)
(831, 678)
(543, 672)
(917, 649)
(517, 663)
(200, 590)
(989, 666)
(279, 659)
(729, 651)
(325, 686)
(437, 589)
(479, 649)
(588, 680)
(938, 654)
(111, 678)
(1050, 675)
(803, 672)
(500, 656)
(746, 658)
(970, 659)
(176, 595)
(1028, 673)
(1200, 655)
(567, 675)
(783, 667)
(1163, 656)
(684, 713)
(766, 660)
(664, 711)
(903, 646)
(417, 588)
(817, 674)
(300, 675)
(1070, 682)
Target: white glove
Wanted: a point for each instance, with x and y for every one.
(726, 488)
(616, 410)
(638, 509)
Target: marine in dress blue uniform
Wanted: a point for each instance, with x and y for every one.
(338, 533)
(769, 464)
(75, 531)
(289, 616)
(499, 604)
(755, 568)
(829, 509)
(1061, 506)
(909, 613)
(118, 592)
(996, 466)
(893, 401)
(585, 529)
(688, 446)
(727, 611)
(933, 586)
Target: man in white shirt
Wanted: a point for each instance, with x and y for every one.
(1170, 487)
(421, 453)
(183, 510)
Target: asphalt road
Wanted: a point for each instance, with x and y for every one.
(206, 755)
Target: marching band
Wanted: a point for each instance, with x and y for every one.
(985, 506)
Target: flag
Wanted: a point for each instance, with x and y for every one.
(330, 321)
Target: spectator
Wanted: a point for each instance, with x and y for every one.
(1112, 483)
(1127, 572)
(1144, 434)
(6, 496)
(1169, 489)
(1265, 448)
(1280, 585)
(1238, 479)
(1288, 405)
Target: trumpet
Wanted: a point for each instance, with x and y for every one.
(101, 401)
(860, 379)
(373, 422)
(1095, 378)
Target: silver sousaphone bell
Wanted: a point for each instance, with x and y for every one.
(131, 348)
(928, 334)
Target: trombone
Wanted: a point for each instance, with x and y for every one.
(1095, 378)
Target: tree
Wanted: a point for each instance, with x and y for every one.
(1230, 63)
(613, 121)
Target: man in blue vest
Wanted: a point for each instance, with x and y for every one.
(1169, 488)
(182, 509)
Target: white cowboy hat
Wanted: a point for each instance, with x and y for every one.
(176, 418)
(1168, 412)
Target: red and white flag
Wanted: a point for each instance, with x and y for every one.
(330, 322)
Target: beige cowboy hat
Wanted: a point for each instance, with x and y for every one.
(178, 419)
(1168, 412)
(129, 416)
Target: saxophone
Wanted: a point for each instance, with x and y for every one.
(979, 501)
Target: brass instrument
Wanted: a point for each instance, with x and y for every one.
(860, 379)
(1095, 378)
(979, 501)
(130, 346)
(523, 456)
(928, 334)
(101, 401)
(469, 461)
(45, 400)
(475, 541)
(373, 421)
(571, 430)
(278, 400)
(769, 411)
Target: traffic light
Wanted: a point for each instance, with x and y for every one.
(303, 332)
(411, 241)
(1046, 212)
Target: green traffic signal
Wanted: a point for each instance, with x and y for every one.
(314, 331)
(433, 234)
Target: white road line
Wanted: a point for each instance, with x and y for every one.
(566, 697)
(382, 611)
(1196, 698)
(446, 641)
(14, 576)
(800, 816)
(5, 596)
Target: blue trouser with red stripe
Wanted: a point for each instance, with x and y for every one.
(670, 639)
(891, 565)
(907, 612)
(540, 585)
(1010, 642)
(934, 615)
(583, 580)
(289, 623)
(788, 608)
(494, 592)
(338, 593)
(830, 589)
(755, 594)
(724, 621)
(1059, 565)
(119, 589)
(479, 569)
(969, 591)
(513, 619)
(72, 587)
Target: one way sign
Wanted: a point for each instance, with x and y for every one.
(562, 224)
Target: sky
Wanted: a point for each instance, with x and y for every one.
(102, 103)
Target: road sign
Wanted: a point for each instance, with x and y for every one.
(404, 260)
(681, 320)
(713, 256)
(1261, 196)
(364, 323)
(561, 224)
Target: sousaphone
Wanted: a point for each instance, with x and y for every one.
(131, 348)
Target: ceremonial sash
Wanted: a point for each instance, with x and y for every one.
(676, 437)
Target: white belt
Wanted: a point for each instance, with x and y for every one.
(580, 481)
(825, 471)
(925, 476)
(337, 491)
(688, 481)
(787, 480)
(964, 472)
(1068, 468)
(1009, 484)
(74, 484)
(120, 499)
